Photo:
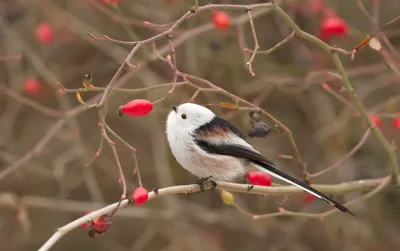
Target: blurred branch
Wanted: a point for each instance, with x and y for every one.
(349, 89)
(374, 23)
(34, 151)
(348, 155)
(37, 106)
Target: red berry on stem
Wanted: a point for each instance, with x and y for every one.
(396, 123)
(308, 198)
(136, 107)
(140, 195)
(259, 178)
(376, 120)
(101, 224)
(221, 20)
(31, 86)
(316, 5)
(44, 33)
(333, 26)
(85, 225)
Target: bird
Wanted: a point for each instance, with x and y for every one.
(212, 148)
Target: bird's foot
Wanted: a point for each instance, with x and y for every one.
(201, 182)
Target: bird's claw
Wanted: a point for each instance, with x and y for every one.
(201, 181)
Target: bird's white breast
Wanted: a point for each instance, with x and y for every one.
(197, 161)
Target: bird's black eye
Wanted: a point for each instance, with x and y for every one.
(183, 116)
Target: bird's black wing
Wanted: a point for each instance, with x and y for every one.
(244, 152)
(217, 127)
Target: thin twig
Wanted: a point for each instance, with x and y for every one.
(131, 148)
(34, 151)
(278, 45)
(256, 46)
(35, 105)
(345, 157)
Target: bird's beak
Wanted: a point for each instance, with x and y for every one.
(174, 108)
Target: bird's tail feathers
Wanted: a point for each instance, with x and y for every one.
(273, 171)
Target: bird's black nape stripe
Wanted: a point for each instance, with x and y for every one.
(249, 154)
(219, 123)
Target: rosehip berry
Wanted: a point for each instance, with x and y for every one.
(259, 178)
(136, 107)
(44, 33)
(101, 224)
(31, 86)
(308, 198)
(85, 225)
(221, 20)
(316, 6)
(376, 120)
(396, 123)
(140, 196)
(333, 26)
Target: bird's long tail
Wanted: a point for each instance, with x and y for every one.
(271, 170)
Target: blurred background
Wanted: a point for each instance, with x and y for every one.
(44, 183)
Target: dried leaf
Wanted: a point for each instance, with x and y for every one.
(79, 98)
(375, 44)
(368, 37)
(227, 105)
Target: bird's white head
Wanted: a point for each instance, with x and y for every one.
(188, 117)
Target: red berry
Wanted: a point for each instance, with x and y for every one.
(101, 224)
(308, 198)
(396, 123)
(136, 107)
(31, 86)
(333, 26)
(315, 6)
(259, 178)
(221, 20)
(85, 225)
(44, 33)
(376, 120)
(140, 195)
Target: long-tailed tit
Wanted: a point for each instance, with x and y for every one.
(207, 145)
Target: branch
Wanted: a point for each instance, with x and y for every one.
(360, 185)
(349, 88)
